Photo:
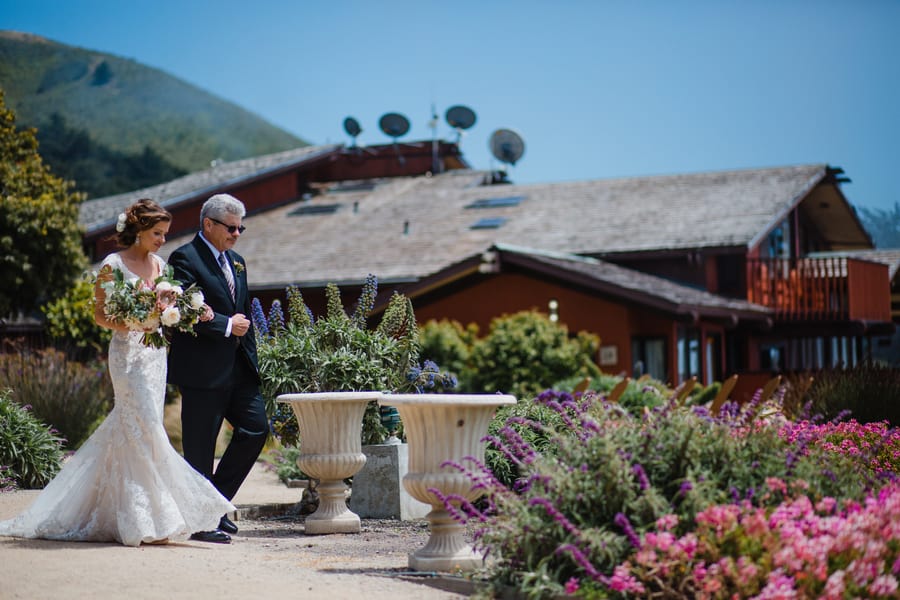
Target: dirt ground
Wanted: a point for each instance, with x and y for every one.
(269, 556)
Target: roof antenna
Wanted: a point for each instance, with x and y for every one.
(432, 124)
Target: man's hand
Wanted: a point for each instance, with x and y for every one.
(240, 325)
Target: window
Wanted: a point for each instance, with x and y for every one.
(488, 223)
(314, 209)
(649, 356)
(496, 202)
(688, 346)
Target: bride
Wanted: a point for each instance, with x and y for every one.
(126, 483)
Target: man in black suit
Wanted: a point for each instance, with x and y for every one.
(216, 370)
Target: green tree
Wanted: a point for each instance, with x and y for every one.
(882, 225)
(40, 240)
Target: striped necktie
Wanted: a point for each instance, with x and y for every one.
(226, 270)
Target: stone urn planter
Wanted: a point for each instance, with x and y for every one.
(331, 450)
(441, 428)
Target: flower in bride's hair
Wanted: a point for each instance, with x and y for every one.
(170, 316)
(120, 223)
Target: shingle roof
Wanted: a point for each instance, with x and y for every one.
(102, 212)
(403, 229)
(704, 210)
(663, 293)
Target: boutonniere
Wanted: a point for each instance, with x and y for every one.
(238, 267)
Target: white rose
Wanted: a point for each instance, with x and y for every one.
(197, 300)
(178, 290)
(170, 316)
(163, 286)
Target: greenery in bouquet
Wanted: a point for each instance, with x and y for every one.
(147, 308)
(339, 352)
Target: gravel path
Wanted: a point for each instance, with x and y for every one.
(269, 557)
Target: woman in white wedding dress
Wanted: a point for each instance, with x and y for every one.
(126, 483)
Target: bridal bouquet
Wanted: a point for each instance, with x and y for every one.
(143, 307)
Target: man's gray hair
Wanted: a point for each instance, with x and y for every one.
(220, 205)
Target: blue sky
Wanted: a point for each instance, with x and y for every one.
(596, 89)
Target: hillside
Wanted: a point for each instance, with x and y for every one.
(128, 107)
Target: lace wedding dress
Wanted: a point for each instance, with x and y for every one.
(126, 483)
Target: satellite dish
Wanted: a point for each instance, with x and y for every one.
(460, 117)
(351, 126)
(394, 125)
(507, 146)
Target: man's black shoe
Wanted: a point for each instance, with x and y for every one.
(216, 537)
(227, 525)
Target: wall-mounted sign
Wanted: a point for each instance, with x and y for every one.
(609, 355)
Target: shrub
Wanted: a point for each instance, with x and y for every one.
(30, 452)
(577, 511)
(336, 352)
(870, 391)
(70, 321)
(71, 396)
(525, 353)
(448, 344)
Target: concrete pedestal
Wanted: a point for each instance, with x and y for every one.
(378, 491)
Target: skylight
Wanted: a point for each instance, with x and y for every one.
(314, 209)
(496, 202)
(488, 223)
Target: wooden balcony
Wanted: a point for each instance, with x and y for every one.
(820, 289)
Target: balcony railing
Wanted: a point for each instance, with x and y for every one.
(813, 289)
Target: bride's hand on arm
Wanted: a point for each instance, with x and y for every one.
(208, 314)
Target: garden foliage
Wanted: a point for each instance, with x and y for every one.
(40, 241)
(869, 391)
(71, 396)
(70, 321)
(337, 352)
(521, 354)
(30, 452)
(602, 495)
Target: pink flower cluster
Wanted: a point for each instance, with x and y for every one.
(797, 550)
(876, 443)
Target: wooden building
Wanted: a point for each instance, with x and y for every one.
(706, 274)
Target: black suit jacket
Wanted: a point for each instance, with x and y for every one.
(208, 359)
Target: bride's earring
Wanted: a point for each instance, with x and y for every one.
(137, 239)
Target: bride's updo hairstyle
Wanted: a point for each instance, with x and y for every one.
(140, 216)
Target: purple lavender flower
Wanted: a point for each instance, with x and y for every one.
(641, 475)
(625, 525)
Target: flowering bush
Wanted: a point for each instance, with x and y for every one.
(336, 352)
(795, 550)
(593, 515)
(147, 308)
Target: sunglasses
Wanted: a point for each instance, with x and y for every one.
(231, 228)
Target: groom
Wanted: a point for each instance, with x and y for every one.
(216, 371)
